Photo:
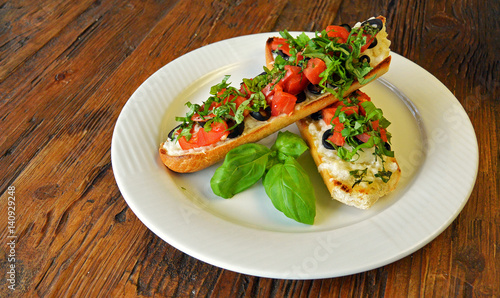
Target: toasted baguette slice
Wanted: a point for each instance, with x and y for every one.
(377, 54)
(197, 159)
(192, 160)
(335, 171)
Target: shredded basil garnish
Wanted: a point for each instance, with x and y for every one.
(343, 67)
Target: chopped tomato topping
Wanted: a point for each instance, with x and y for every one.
(337, 125)
(202, 138)
(294, 81)
(362, 97)
(199, 118)
(383, 131)
(338, 32)
(245, 90)
(337, 138)
(315, 67)
(369, 40)
(328, 113)
(364, 137)
(279, 43)
(238, 101)
(269, 90)
(282, 102)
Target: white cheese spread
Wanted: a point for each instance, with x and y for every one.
(340, 169)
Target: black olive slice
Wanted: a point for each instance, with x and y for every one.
(324, 139)
(375, 23)
(262, 115)
(373, 44)
(346, 26)
(171, 133)
(314, 89)
(387, 146)
(301, 97)
(280, 53)
(237, 131)
(364, 58)
(316, 116)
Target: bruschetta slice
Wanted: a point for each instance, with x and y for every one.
(350, 144)
(303, 75)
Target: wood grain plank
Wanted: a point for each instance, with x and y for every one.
(29, 25)
(60, 97)
(67, 83)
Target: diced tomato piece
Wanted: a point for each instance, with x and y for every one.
(338, 32)
(364, 137)
(369, 40)
(279, 43)
(315, 67)
(383, 135)
(228, 99)
(300, 57)
(282, 102)
(221, 92)
(245, 90)
(269, 90)
(349, 110)
(383, 131)
(337, 125)
(238, 101)
(362, 97)
(197, 117)
(204, 138)
(294, 81)
(337, 138)
(328, 113)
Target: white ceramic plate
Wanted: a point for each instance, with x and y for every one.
(434, 142)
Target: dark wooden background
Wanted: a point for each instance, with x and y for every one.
(68, 67)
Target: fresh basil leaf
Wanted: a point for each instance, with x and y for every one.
(222, 85)
(238, 116)
(242, 168)
(364, 81)
(359, 175)
(291, 191)
(302, 40)
(290, 144)
(384, 175)
(372, 112)
(383, 122)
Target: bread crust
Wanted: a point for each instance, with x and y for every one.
(361, 196)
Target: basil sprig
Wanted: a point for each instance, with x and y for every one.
(291, 191)
(242, 168)
(285, 181)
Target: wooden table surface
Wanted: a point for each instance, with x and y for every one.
(68, 67)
